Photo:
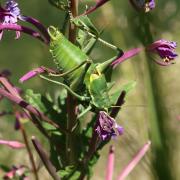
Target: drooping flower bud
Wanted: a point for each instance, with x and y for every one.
(107, 127)
(10, 14)
(165, 50)
(143, 5)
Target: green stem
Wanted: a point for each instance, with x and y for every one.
(92, 149)
(158, 131)
(71, 150)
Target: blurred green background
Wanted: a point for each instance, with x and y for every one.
(151, 110)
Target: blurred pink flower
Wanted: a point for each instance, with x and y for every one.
(12, 144)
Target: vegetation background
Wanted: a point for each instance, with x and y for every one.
(152, 109)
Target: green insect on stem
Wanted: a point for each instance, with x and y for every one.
(78, 70)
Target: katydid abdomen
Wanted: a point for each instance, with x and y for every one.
(67, 56)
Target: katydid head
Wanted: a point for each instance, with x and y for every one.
(54, 33)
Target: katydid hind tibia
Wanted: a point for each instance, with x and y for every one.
(70, 58)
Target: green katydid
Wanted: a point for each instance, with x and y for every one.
(77, 70)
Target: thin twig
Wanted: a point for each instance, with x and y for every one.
(31, 158)
(45, 159)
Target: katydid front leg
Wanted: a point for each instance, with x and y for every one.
(81, 98)
(70, 71)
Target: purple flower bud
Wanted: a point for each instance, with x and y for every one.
(5, 73)
(35, 72)
(32, 73)
(13, 11)
(165, 49)
(9, 16)
(107, 127)
(144, 5)
(125, 56)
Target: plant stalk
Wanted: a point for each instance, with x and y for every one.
(156, 112)
(31, 158)
(71, 151)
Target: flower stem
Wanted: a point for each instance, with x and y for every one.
(71, 151)
(156, 111)
(31, 158)
(92, 149)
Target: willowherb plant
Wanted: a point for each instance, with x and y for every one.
(74, 140)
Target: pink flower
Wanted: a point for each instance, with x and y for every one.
(12, 144)
(125, 56)
(107, 127)
(10, 14)
(165, 50)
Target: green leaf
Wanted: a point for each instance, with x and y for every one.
(82, 38)
(85, 41)
(69, 173)
(60, 4)
(4, 168)
(45, 104)
(91, 164)
(127, 88)
(57, 151)
(35, 100)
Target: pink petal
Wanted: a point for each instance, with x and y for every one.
(1, 34)
(12, 144)
(35, 72)
(134, 161)
(32, 73)
(126, 56)
(39, 26)
(110, 165)
(161, 42)
(27, 30)
(154, 45)
(18, 34)
(5, 82)
(10, 174)
(161, 63)
(15, 171)
(178, 117)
